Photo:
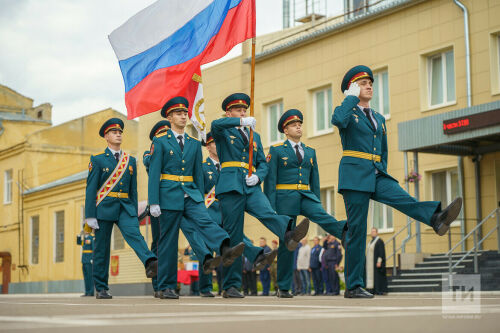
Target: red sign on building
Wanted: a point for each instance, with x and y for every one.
(470, 122)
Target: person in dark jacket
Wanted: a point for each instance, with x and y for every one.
(333, 257)
(315, 267)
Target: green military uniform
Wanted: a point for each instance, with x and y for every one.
(175, 184)
(234, 195)
(293, 188)
(192, 234)
(113, 200)
(87, 243)
(363, 176)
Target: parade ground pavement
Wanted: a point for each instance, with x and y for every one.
(392, 313)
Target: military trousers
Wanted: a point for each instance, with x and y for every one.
(387, 191)
(233, 208)
(129, 227)
(315, 212)
(88, 279)
(202, 230)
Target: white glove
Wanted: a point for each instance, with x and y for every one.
(252, 180)
(249, 121)
(353, 90)
(92, 222)
(155, 210)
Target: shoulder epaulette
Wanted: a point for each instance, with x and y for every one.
(278, 144)
(191, 137)
(161, 134)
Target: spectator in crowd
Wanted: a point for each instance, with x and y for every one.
(296, 284)
(376, 280)
(315, 267)
(274, 268)
(249, 278)
(324, 268)
(333, 254)
(303, 261)
(265, 275)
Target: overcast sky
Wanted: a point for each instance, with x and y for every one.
(57, 51)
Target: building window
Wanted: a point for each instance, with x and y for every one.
(498, 56)
(59, 236)
(380, 99)
(380, 216)
(35, 238)
(445, 186)
(7, 187)
(118, 241)
(286, 14)
(322, 110)
(441, 73)
(328, 203)
(356, 7)
(274, 112)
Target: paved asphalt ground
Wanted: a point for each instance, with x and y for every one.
(392, 313)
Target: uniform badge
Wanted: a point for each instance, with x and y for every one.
(131, 170)
(285, 158)
(87, 241)
(312, 161)
(255, 146)
(171, 152)
(268, 157)
(356, 117)
(90, 166)
(107, 169)
(232, 142)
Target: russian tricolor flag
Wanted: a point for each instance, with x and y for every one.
(161, 48)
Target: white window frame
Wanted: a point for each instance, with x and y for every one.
(281, 136)
(329, 126)
(455, 223)
(385, 213)
(31, 240)
(55, 236)
(7, 188)
(350, 8)
(445, 102)
(329, 207)
(378, 77)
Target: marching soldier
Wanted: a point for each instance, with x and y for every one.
(111, 197)
(175, 192)
(86, 240)
(292, 186)
(363, 176)
(202, 252)
(237, 192)
(211, 171)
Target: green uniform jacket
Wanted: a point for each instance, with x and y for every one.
(100, 168)
(284, 168)
(211, 177)
(357, 134)
(231, 148)
(87, 244)
(167, 158)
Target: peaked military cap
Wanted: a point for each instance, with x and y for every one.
(178, 103)
(111, 124)
(237, 100)
(209, 139)
(160, 126)
(289, 117)
(356, 73)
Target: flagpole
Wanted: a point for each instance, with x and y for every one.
(252, 94)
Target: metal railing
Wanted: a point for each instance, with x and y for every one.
(477, 243)
(403, 244)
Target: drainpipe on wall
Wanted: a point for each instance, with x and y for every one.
(469, 104)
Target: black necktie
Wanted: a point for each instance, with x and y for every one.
(243, 134)
(181, 144)
(217, 166)
(117, 156)
(367, 113)
(297, 152)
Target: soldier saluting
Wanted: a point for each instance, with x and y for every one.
(363, 176)
(111, 197)
(238, 192)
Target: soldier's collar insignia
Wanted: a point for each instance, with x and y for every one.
(210, 172)
(356, 117)
(285, 158)
(232, 137)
